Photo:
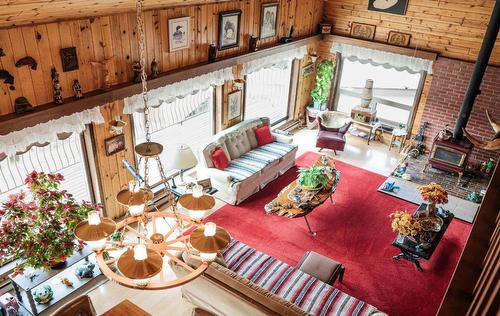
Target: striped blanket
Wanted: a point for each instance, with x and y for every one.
(255, 160)
(291, 284)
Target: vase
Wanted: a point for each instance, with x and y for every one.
(430, 221)
(59, 265)
(430, 210)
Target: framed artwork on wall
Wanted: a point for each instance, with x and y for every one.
(233, 105)
(388, 6)
(114, 144)
(398, 38)
(69, 59)
(269, 20)
(229, 29)
(179, 33)
(363, 31)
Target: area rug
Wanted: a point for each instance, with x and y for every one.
(408, 191)
(355, 231)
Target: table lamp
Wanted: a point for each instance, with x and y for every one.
(184, 159)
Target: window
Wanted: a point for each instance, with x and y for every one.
(394, 90)
(63, 156)
(186, 121)
(267, 94)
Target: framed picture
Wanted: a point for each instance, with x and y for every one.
(179, 33)
(269, 20)
(363, 31)
(307, 70)
(69, 59)
(398, 38)
(388, 6)
(114, 144)
(206, 184)
(234, 105)
(229, 29)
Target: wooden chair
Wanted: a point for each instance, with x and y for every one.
(81, 306)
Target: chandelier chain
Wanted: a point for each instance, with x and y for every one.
(142, 62)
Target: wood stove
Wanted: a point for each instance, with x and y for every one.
(450, 155)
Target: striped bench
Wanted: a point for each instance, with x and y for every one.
(291, 284)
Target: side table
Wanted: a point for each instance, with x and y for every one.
(372, 129)
(398, 137)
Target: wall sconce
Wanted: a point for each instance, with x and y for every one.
(238, 84)
(117, 126)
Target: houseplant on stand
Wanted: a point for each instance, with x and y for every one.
(38, 227)
(324, 76)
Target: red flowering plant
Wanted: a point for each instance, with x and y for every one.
(38, 227)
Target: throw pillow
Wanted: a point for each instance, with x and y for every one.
(219, 159)
(263, 135)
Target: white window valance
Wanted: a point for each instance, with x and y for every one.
(178, 90)
(279, 60)
(379, 57)
(18, 141)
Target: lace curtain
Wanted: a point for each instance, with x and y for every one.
(179, 90)
(19, 141)
(378, 57)
(279, 60)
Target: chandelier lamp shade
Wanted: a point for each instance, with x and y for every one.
(209, 240)
(95, 230)
(135, 251)
(197, 203)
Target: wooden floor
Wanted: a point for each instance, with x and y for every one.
(374, 157)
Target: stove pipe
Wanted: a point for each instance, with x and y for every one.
(478, 72)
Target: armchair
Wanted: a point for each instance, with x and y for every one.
(333, 126)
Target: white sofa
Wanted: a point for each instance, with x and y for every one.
(251, 167)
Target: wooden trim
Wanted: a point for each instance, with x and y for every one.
(383, 47)
(416, 102)
(47, 112)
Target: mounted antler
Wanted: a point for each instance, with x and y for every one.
(493, 144)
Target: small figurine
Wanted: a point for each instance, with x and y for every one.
(212, 53)
(77, 89)
(154, 69)
(85, 271)
(137, 69)
(57, 86)
(401, 169)
(253, 43)
(43, 294)
(22, 105)
(104, 66)
(66, 281)
(487, 166)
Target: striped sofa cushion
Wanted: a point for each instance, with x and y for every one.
(257, 159)
(291, 284)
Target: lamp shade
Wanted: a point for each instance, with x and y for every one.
(184, 158)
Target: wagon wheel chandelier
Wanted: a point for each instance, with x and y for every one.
(135, 252)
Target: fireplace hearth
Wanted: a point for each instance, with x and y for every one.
(450, 155)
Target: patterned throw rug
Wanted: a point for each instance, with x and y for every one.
(356, 232)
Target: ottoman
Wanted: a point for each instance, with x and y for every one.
(321, 267)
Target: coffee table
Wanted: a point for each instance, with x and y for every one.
(411, 251)
(294, 202)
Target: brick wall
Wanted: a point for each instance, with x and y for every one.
(449, 83)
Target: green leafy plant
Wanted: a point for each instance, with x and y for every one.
(324, 76)
(312, 177)
(38, 227)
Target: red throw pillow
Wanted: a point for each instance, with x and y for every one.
(219, 159)
(263, 135)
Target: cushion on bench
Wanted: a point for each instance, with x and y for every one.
(295, 286)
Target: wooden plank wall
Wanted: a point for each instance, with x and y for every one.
(113, 176)
(305, 84)
(453, 28)
(113, 36)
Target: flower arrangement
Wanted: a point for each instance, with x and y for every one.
(433, 193)
(38, 227)
(404, 223)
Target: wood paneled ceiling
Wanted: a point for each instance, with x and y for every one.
(24, 12)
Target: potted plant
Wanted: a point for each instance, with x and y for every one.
(38, 227)
(433, 194)
(324, 76)
(313, 178)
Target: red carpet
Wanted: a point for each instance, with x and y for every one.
(355, 231)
